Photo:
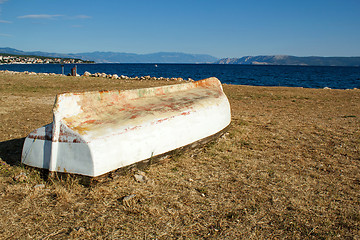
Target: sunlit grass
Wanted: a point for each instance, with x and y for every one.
(287, 168)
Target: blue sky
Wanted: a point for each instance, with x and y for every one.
(223, 28)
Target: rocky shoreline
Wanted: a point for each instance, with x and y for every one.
(101, 75)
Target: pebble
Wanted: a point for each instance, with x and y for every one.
(141, 172)
(127, 198)
(21, 177)
(139, 178)
(39, 186)
(86, 74)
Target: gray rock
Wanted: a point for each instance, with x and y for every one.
(127, 198)
(87, 74)
(39, 186)
(21, 177)
(139, 178)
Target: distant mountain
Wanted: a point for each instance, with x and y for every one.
(117, 57)
(35, 53)
(160, 57)
(292, 60)
(175, 57)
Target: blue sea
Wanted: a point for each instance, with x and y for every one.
(255, 75)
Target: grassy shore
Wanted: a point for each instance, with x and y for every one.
(289, 167)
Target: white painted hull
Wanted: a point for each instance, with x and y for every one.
(83, 146)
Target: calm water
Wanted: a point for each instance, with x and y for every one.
(290, 76)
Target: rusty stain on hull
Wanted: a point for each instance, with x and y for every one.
(114, 109)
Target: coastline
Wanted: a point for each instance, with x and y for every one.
(98, 74)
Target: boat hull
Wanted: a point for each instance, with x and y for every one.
(106, 147)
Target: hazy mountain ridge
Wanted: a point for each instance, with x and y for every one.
(292, 60)
(176, 57)
(118, 57)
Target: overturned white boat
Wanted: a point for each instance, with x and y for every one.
(94, 133)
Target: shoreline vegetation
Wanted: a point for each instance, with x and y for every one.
(288, 167)
(28, 59)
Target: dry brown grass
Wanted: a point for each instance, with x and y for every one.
(289, 167)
